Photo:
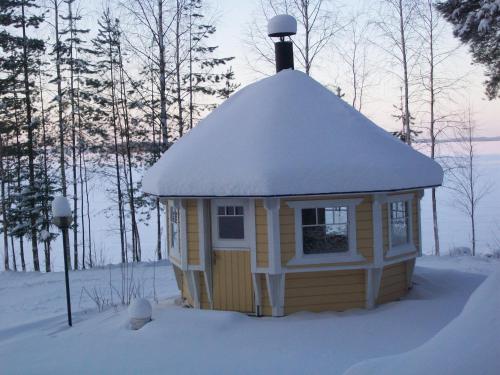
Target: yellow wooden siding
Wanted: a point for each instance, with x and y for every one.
(287, 232)
(232, 281)
(261, 234)
(266, 308)
(185, 290)
(204, 301)
(193, 242)
(393, 285)
(364, 228)
(324, 291)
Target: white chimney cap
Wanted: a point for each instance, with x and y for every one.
(282, 25)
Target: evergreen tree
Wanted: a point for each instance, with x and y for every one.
(15, 40)
(477, 24)
(106, 48)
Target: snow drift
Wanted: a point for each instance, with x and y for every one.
(470, 344)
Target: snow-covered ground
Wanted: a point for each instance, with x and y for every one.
(34, 337)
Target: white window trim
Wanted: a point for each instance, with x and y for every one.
(225, 244)
(351, 255)
(408, 247)
(174, 251)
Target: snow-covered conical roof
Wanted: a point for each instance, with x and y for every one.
(287, 135)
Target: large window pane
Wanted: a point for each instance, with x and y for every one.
(308, 216)
(399, 223)
(325, 230)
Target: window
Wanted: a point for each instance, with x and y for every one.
(399, 223)
(174, 229)
(325, 230)
(231, 222)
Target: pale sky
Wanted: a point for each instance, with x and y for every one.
(232, 20)
(232, 25)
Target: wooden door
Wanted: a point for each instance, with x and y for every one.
(232, 281)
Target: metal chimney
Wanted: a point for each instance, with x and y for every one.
(281, 26)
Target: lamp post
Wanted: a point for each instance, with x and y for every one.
(62, 218)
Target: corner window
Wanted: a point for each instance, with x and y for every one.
(325, 230)
(173, 230)
(399, 223)
(174, 227)
(232, 223)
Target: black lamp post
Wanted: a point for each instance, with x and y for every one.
(62, 218)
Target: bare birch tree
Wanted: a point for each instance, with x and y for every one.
(436, 86)
(396, 24)
(354, 52)
(465, 179)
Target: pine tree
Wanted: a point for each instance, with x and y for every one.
(15, 18)
(106, 46)
(477, 24)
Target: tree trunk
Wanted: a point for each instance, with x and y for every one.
(73, 140)
(88, 211)
(432, 126)
(31, 155)
(163, 96)
(45, 180)
(81, 150)
(405, 75)
(4, 212)
(13, 250)
(115, 139)
(12, 244)
(178, 68)
(136, 253)
(59, 98)
(18, 182)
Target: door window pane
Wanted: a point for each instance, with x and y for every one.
(230, 221)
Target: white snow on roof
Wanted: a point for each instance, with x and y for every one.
(287, 135)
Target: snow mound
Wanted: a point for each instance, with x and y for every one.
(470, 344)
(287, 135)
(140, 309)
(60, 207)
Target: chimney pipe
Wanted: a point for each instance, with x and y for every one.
(281, 26)
(283, 51)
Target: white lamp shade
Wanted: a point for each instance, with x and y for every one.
(60, 207)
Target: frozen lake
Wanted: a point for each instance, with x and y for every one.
(454, 225)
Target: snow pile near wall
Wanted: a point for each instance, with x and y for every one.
(470, 344)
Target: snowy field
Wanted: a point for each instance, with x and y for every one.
(429, 329)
